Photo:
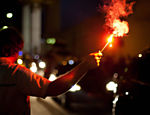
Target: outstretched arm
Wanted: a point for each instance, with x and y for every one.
(64, 82)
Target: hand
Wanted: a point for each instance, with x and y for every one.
(97, 55)
(92, 60)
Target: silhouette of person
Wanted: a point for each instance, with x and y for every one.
(17, 82)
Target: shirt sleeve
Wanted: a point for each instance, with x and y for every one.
(30, 83)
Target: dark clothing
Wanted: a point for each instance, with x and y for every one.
(17, 83)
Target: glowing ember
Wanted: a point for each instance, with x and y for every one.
(110, 38)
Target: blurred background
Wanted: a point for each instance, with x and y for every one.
(57, 33)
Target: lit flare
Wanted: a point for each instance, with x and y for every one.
(98, 55)
(114, 10)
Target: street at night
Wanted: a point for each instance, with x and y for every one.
(110, 38)
(46, 106)
(50, 107)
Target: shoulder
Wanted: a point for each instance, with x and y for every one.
(19, 70)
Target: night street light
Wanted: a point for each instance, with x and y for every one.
(111, 86)
(4, 27)
(9, 15)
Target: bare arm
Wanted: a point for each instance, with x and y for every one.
(64, 82)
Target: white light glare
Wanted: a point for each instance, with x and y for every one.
(116, 99)
(33, 67)
(52, 77)
(139, 55)
(126, 93)
(112, 86)
(4, 27)
(75, 88)
(42, 64)
(20, 61)
(9, 15)
(71, 62)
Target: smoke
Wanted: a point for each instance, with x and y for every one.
(116, 10)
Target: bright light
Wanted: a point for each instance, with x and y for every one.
(115, 99)
(126, 93)
(9, 15)
(20, 61)
(75, 88)
(42, 64)
(112, 86)
(139, 55)
(51, 41)
(52, 77)
(33, 64)
(110, 45)
(33, 67)
(110, 39)
(4, 27)
(71, 62)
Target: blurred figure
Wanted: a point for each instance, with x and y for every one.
(17, 83)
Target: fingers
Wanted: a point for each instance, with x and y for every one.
(93, 59)
(97, 55)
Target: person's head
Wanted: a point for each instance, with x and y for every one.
(11, 42)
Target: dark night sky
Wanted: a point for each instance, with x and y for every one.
(10, 6)
(75, 11)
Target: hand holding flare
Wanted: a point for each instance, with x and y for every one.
(98, 55)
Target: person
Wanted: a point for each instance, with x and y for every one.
(17, 82)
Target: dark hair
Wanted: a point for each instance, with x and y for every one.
(11, 42)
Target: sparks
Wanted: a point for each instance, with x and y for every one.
(109, 41)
